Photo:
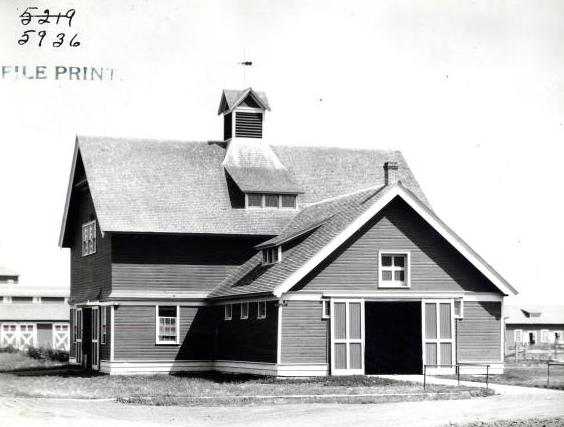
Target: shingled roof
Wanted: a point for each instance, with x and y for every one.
(320, 228)
(231, 98)
(547, 315)
(181, 187)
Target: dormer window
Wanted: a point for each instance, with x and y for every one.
(271, 201)
(272, 255)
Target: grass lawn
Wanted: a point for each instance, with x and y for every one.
(11, 361)
(54, 381)
(532, 374)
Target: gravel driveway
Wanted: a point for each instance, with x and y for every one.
(57, 412)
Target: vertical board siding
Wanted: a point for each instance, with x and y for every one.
(340, 320)
(354, 320)
(45, 335)
(431, 353)
(479, 333)
(304, 333)
(446, 326)
(105, 348)
(72, 347)
(135, 334)
(156, 263)
(91, 274)
(252, 339)
(446, 353)
(430, 320)
(435, 264)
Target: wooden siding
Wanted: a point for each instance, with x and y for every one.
(435, 264)
(304, 333)
(44, 335)
(525, 328)
(135, 334)
(252, 339)
(175, 263)
(479, 333)
(90, 275)
(72, 348)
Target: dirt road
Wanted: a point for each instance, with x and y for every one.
(53, 412)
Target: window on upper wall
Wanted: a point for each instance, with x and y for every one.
(271, 255)
(261, 310)
(394, 270)
(244, 310)
(271, 201)
(22, 300)
(89, 238)
(228, 312)
(167, 324)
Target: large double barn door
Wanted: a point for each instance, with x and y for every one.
(347, 337)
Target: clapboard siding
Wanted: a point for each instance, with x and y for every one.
(175, 263)
(525, 328)
(435, 264)
(479, 333)
(252, 339)
(90, 275)
(135, 334)
(304, 333)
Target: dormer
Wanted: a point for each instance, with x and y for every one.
(243, 113)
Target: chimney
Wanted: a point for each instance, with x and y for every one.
(391, 173)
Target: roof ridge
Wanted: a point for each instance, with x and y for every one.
(342, 196)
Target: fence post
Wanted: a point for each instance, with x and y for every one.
(487, 377)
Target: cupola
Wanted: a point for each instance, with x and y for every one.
(243, 113)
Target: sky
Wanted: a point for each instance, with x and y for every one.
(472, 93)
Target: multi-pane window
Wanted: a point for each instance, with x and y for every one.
(394, 270)
(261, 310)
(272, 255)
(326, 309)
(254, 200)
(244, 310)
(272, 201)
(89, 238)
(167, 324)
(228, 312)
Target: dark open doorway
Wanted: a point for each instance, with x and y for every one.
(393, 338)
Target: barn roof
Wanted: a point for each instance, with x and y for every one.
(321, 228)
(5, 272)
(534, 315)
(231, 98)
(181, 187)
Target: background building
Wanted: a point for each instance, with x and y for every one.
(32, 317)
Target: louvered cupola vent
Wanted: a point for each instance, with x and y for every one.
(243, 112)
(248, 125)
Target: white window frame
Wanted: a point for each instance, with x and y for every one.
(33, 334)
(438, 340)
(157, 323)
(295, 196)
(544, 337)
(89, 236)
(535, 337)
(560, 337)
(246, 316)
(259, 316)
(265, 253)
(325, 309)
(247, 206)
(263, 201)
(406, 284)
(515, 333)
(103, 324)
(36, 300)
(7, 300)
(228, 312)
